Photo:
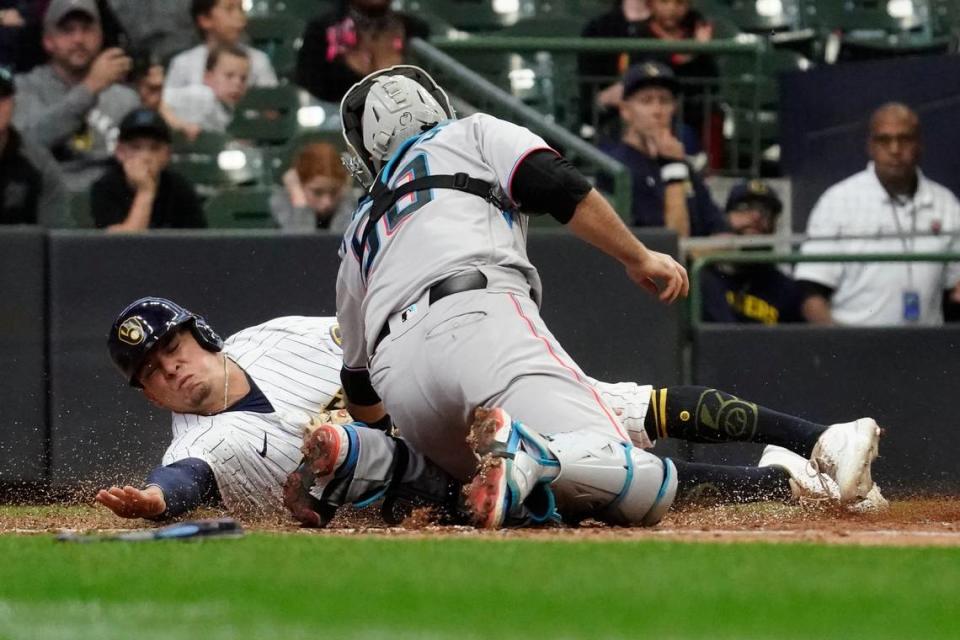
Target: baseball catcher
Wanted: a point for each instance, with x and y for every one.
(439, 309)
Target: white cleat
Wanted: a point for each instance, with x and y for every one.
(845, 452)
(873, 503)
(805, 481)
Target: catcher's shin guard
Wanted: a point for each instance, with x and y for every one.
(610, 480)
(524, 476)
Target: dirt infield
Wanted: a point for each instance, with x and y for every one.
(914, 522)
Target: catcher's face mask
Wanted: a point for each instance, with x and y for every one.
(359, 161)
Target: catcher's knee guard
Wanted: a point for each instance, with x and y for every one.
(610, 480)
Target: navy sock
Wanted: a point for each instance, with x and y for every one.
(697, 481)
(701, 414)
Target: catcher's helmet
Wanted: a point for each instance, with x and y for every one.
(145, 323)
(384, 109)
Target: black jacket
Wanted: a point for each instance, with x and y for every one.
(176, 205)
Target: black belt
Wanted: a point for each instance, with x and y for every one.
(459, 283)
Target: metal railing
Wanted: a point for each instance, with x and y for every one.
(472, 86)
(696, 298)
(746, 45)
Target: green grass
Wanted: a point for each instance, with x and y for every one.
(292, 587)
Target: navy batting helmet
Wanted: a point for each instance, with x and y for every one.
(145, 323)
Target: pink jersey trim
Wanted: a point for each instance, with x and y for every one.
(517, 164)
(596, 396)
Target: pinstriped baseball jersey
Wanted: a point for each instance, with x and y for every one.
(295, 361)
(435, 233)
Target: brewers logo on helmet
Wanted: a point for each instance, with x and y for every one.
(144, 324)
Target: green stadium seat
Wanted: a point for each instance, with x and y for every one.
(945, 19)
(302, 9)
(267, 115)
(583, 9)
(740, 86)
(756, 16)
(81, 216)
(201, 162)
(868, 28)
(202, 171)
(466, 15)
(244, 208)
(557, 91)
(280, 37)
(206, 142)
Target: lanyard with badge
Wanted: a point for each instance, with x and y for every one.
(911, 297)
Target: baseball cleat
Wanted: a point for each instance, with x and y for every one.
(845, 452)
(507, 473)
(873, 503)
(488, 495)
(805, 481)
(324, 449)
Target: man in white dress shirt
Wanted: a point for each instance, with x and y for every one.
(890, 207)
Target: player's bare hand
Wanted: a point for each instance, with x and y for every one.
(110, 67)
(130, 502)
(661, 275)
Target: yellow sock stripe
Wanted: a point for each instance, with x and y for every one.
(653, 407)
(662, 425)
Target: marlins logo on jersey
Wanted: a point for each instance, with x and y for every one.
(295, 361)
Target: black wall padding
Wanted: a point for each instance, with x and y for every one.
(906, 379)
(23, 405)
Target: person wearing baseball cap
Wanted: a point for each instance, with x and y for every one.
(138, 191)
(666, 190)
(56, 99)
(31, 185)
(751, 293)
(752, 208)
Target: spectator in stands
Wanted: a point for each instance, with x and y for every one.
(31, 186)
(675, 20)
(666, 191)
(624, 20)
(21, 32)
(72, 104)
(341, 49)
(211, 105)
(162, 27)
(890, 198)
(753, 293)
(147, 78)
(139, 192)
(221, 23)
(316, 192)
